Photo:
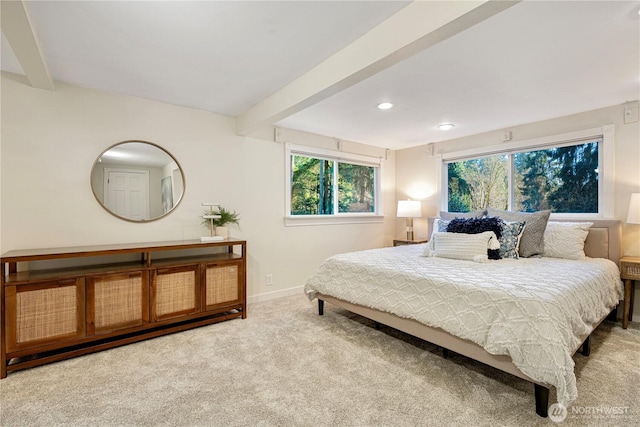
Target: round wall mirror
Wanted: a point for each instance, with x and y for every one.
(137, 181)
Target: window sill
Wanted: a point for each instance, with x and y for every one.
(306, 220)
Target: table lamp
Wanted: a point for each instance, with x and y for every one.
(409, 209)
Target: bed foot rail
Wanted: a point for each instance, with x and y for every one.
(320, 307)
(542, 400)
(586, 347)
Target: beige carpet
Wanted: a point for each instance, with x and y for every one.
(287, 366)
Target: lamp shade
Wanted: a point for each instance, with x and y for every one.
(633, 217)
(409, 209)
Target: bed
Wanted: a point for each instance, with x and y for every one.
(526, 316)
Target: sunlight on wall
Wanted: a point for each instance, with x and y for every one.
(420, 190)
(631, 239)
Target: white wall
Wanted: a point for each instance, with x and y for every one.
(416, 170)
(50, 140)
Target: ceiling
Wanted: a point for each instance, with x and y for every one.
(322, 67)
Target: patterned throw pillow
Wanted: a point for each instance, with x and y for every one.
(476, 226)
(510, 240)
(439, 226)
(442, 225)
(532, 240)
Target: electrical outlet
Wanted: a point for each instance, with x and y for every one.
(269, 279)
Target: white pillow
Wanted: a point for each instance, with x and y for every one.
(440, 226)
(470, 247)
(566, 239)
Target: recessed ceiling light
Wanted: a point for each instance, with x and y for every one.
(385, 105)
(445, 126)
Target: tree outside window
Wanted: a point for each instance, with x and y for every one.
(563, 179)
(311, 186)
(355, 188)
(326, 187)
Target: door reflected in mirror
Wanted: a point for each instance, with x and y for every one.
(137, 181)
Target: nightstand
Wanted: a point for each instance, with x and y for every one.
(629, 271)
(400, 242)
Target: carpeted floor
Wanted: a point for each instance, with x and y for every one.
(287, 366)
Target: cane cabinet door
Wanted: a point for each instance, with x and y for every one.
(116, 301)
(222, 284)
(40, 314)
(175, 292)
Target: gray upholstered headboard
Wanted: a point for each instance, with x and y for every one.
(604, 239)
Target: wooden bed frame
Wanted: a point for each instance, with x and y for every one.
(603, 241)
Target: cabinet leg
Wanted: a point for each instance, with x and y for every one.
(320, 307)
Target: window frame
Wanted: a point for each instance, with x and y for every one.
(606, 161)
(336, 217)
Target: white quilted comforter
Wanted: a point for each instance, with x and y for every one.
(533, 310)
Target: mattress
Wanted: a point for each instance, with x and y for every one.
(533, 310)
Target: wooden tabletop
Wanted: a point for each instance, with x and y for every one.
(110, 249)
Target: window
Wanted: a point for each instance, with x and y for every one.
(563, 179)
(478, 183)
(561, 175)
(324, 183)
(311, 186)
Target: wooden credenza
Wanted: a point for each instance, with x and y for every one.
(111, 295)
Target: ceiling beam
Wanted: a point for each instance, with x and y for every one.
(416, 27)
(23, 39)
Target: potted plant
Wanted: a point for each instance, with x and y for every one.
(222, 218)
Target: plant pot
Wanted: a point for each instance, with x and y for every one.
(222, 232)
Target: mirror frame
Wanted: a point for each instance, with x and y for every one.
(144, 221)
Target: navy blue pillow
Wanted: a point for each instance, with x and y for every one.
(477, 226)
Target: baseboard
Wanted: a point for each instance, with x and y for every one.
(275, 294)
